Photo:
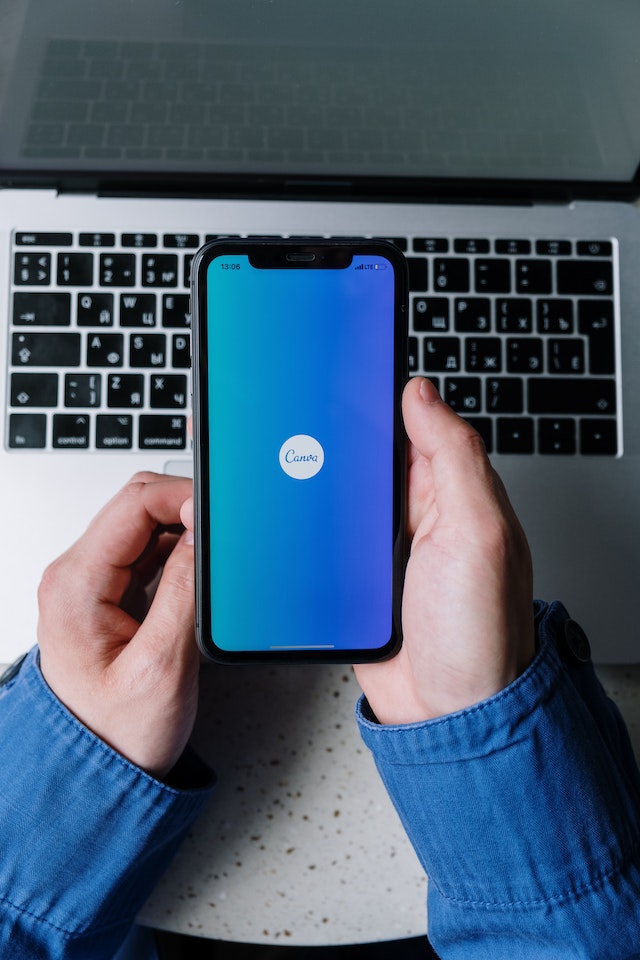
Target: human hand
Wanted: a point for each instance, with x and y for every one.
(467, 608)
(132, 679)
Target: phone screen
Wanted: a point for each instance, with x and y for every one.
(299, 510)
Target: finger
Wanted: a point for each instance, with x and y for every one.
(155, 555)
(169, 627)
(120, 533)
(186, 514)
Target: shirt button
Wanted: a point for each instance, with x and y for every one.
(576, 645)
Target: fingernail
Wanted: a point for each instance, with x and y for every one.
(188, 537)
(428, 392)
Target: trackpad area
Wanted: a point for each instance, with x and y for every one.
(179, 468)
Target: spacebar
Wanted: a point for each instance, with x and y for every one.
(574, 396)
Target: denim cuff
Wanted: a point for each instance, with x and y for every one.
(526, 798)
(85, 833)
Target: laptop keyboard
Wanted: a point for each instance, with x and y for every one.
(517, 333)
(519, 336)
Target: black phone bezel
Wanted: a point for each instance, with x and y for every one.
(293, 254)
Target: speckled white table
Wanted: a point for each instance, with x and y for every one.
(300, 844)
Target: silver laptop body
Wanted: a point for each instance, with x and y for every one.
(501, 158)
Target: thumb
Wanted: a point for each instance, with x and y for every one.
(460, 468)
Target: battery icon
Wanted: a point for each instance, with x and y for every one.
(379, 266)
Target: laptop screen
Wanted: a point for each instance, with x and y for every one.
(414, 96)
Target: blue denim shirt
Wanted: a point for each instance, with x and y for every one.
(84, 834)
(525, 813)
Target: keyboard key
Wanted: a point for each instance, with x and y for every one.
(34, 389)
(44, 239)
(595, 248)
(418, 273)
(463, 394)
(483, 355)
(533, 276)
(585, 277)
(162, 432)
(470, 245)
(105, 350)
(430, 314)
(148, 350)
(41, 309)
(553, 248)
(566, 356)
(514, 315)
(160, 270)
(431, 245)
(441, 353)
(32, 269)
(117, 269)
(27, 431)
(598, 437)
(493, 276)
(451, 274)
(82, 389)
(566, 396)
(125, 390)
(176, 310)
(168, 391)
(472, 315)
(514, 247)
(504, 395)
(137, 309)
(70, 431)
(139, 240)
(114, 431)
(183, 241)
(46, 349)
(95, 309)
(181, 351)
(97, 239)
(524, 355)
(75, 269)
(556, 435)
(555, 316)
(514, 435)
(595, 321)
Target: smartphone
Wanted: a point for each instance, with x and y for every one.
(299, 359)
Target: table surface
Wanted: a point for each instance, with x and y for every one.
(300, 844)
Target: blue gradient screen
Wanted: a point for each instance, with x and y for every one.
(300, 389)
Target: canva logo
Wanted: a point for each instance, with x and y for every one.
(301, 457)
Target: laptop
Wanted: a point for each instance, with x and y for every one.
(497, 144)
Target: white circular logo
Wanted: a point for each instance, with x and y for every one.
(301, 457)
